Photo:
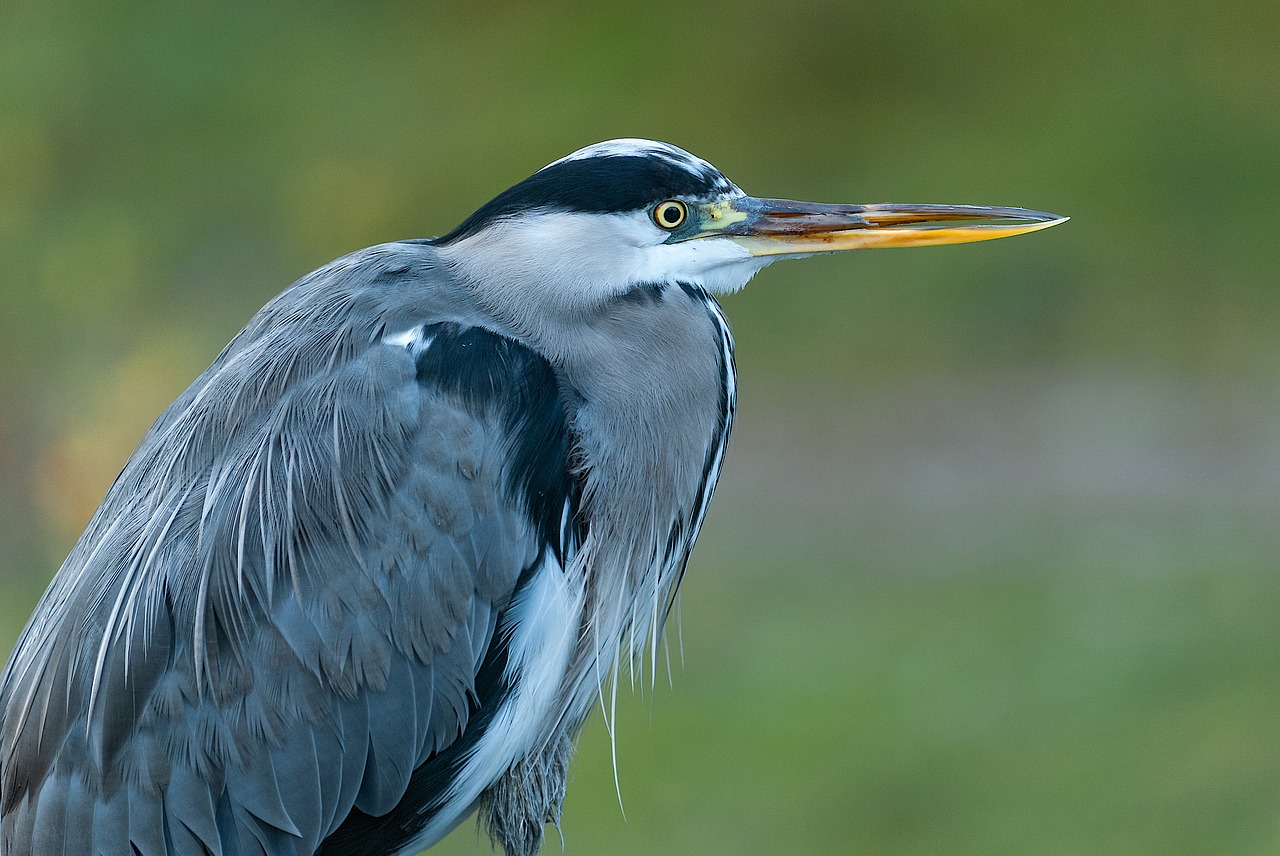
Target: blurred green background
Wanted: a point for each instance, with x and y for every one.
(993, 566)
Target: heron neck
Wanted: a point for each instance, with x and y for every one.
(650, 383)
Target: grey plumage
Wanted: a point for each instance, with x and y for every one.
(293, 581)
(371, 570)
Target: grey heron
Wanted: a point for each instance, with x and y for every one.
(368, 574)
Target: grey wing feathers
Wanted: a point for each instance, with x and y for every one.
(279, 610)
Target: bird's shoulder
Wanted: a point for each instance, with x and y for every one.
(296, 577)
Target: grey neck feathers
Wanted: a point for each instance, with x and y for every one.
(647, 376)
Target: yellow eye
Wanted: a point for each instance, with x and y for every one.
(670, 214)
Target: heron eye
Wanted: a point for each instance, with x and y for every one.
(670, 214)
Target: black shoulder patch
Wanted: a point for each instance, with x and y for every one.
(492, 374)
(498, 377)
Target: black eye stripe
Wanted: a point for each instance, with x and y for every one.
(597, 185)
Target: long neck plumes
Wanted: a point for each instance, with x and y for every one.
(652, 386)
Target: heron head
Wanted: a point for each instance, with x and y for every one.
(625, 213)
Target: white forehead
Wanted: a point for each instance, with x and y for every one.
(636, 147)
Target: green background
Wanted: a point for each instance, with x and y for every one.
(993, 565)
